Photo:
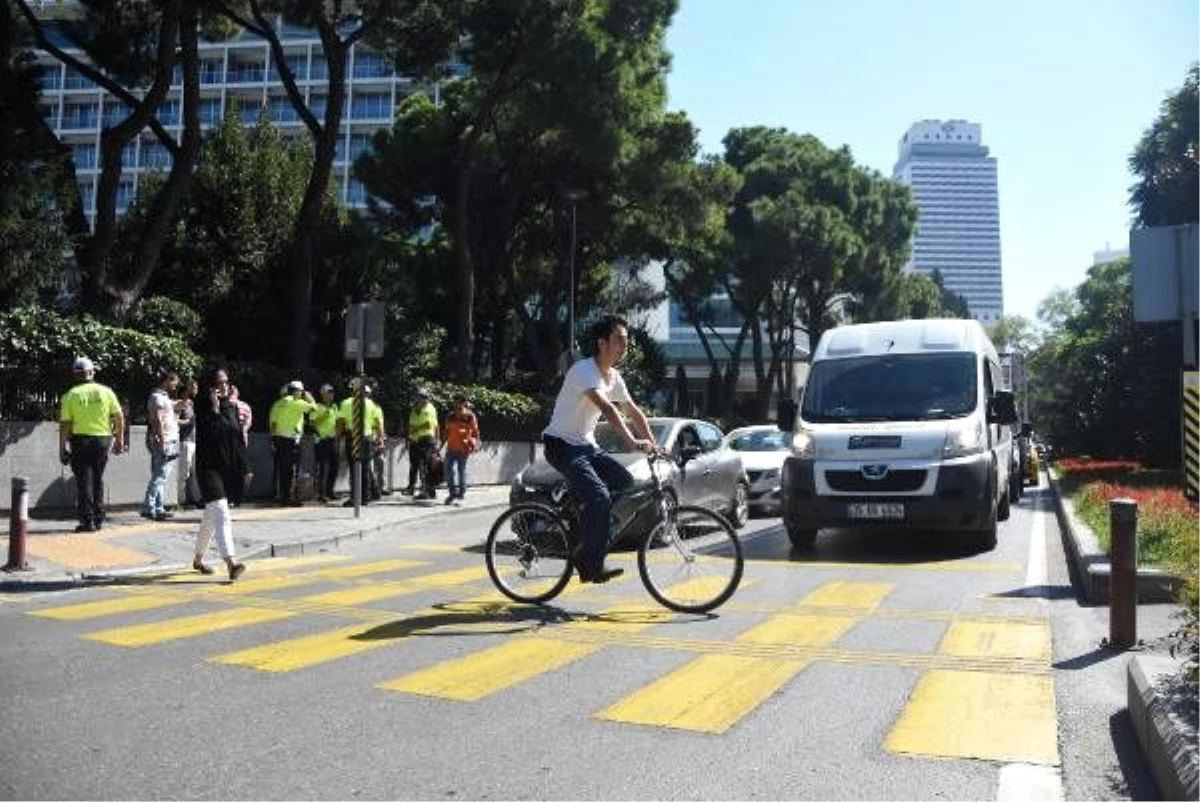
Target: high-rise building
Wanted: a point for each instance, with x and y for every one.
(953, 181)
(236, 76)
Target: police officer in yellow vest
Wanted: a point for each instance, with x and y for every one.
(287, 427)
(325, 422)
(90, 422)
(422, 441)
(372, 439)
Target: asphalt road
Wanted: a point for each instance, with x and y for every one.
(876, 667)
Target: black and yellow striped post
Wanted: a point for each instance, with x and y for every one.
(357, 446)
(1191, 433)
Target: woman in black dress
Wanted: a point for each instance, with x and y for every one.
(220, 468)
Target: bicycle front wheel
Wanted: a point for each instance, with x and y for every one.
(528, 554)
(691, 561)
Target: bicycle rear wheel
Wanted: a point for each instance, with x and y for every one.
(691, 561)
(528, 553)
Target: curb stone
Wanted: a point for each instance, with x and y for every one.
(1158, 697)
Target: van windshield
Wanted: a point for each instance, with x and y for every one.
(892, 387)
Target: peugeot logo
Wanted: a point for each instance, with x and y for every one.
(874, 472)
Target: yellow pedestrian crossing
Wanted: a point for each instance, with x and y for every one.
(986, 693)
(187, 627)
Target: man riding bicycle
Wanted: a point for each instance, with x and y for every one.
(592, 388)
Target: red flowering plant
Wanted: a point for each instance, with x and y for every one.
(1168, 528)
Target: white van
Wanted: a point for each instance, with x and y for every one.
(902, 424)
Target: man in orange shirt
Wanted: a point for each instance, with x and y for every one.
(462, 440)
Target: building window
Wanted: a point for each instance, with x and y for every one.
(85, 156)
(374, 106)
(76, 80)
(168, 112)
(80, 115)
(124, 195)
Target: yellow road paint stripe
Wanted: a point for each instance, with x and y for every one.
(853, 595)
(987, 716)
(311, 650)
(270, 583)
(98, 609)
(1023, 641)
(714, 692)
(709, 694)
(442, 547)
(473, 677)
(189, 627)
(801, 630)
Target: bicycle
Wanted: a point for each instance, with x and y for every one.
(690, 560)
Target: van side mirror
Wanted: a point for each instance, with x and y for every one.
(688, 453)
(1002, 408)
(1026, 429)
(785, 414)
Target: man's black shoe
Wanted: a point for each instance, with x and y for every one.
(602, 577)
(164, 516)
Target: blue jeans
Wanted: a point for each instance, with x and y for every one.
(155, 502)
(456, 473)
(594, 476)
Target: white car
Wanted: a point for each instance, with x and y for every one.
(763, 450)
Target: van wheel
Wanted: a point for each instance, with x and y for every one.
(802, 537)
(987, 535)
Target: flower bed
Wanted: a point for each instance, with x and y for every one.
(1167, 521)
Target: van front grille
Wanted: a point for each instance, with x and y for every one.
(901, 481)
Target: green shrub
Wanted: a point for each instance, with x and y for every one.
(37, 347)
(165, 317)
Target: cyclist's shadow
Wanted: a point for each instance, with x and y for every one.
(458, 618)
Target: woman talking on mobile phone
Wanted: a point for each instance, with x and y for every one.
(220, 469)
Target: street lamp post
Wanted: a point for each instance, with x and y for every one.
(574, 196)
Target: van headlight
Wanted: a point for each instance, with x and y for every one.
(963, 441)
(804, 445)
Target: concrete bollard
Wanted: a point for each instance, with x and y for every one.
(1122, 577)
(18, 524)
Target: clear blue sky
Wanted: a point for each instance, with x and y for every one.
(1063, 89)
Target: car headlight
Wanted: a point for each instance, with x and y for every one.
(804, 445)
(963, 441)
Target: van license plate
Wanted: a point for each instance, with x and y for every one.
(876, 512)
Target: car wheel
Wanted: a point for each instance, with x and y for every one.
(987, 536)
(739, 506)
(802, 537)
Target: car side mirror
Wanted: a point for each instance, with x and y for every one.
(785, 414)
(688, 453)
(1002, 408)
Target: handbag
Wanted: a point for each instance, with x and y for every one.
(436, 468)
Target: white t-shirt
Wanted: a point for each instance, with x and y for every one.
(159, 400)
(575, 416)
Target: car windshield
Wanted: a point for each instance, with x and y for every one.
(763, 440)
(891, 387)
(611, 443)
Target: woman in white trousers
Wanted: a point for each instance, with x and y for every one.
(220, 470)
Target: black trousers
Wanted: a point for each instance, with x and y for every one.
(89, 457)
(287, 460)
(371, 483)
(326, 454)
(418, 456)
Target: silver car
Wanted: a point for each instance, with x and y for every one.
(705, 472)
(763, 450)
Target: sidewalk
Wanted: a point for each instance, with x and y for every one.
(57, 556)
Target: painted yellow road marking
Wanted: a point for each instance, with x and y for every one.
(98, 609)
(188, 627)
(323, 647)
(311, 650)
(270, 583)
(984, 715)
(712, 693)
(476, 676)
(1021, 641)
(709, 694)
(853, 595)
(82, 552)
